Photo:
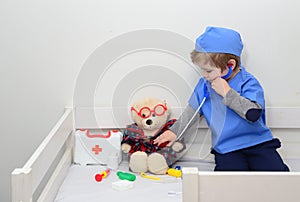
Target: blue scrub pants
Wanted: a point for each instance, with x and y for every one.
(261, 157)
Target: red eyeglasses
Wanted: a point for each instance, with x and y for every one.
(145, 112)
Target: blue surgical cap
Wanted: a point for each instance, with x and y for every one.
(219, 40)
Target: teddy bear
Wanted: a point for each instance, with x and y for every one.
(151, 119)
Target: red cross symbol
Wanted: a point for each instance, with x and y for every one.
(97, 149)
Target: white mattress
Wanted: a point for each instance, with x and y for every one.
(80, 185)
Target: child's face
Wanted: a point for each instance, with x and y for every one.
(210, 73)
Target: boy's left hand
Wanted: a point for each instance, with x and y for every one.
(220, 86)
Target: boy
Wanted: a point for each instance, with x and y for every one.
(234, 108)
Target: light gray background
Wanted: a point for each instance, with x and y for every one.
(43, 45)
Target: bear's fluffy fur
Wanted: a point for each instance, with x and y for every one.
(138, 138)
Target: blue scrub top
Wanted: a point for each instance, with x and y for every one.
(229, 131)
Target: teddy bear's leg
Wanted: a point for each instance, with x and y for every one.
(157, 164)
(138, 162)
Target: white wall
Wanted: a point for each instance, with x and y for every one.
(44, 44)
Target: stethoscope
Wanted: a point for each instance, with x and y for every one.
(205, 96)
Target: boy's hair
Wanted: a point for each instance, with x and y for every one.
(218, 60)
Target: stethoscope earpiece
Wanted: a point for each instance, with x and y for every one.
(228, 73)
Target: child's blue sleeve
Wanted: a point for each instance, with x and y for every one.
(253, 91)
(197, 95)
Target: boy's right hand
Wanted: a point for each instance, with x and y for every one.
(220, 86)
(167, 136)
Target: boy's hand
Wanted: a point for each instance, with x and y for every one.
(167, 136)
(220, 86)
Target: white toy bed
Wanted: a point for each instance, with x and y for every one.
(50, 175)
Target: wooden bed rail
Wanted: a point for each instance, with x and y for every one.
(240, 186)
(57, 146)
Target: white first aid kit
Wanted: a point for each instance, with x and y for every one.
(95, 148)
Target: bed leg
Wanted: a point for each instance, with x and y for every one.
(190, 184)
(20, 184)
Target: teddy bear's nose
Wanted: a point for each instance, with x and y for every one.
(149, 122)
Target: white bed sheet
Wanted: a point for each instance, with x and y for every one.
(80, 185)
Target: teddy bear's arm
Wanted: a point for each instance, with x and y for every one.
(126, 143)
(129, 140)
(178, 146)
(125, 147)
(130, 137)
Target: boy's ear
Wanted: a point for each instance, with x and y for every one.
(231, 63)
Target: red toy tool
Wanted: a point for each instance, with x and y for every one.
(103, 174)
